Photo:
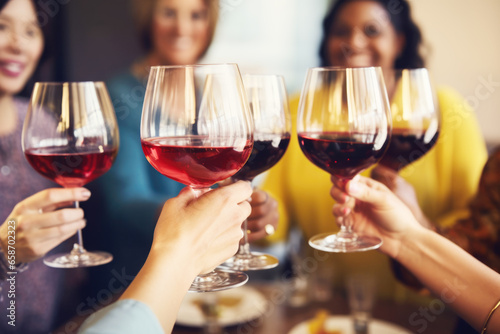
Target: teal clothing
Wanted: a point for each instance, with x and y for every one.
(122, 317)
(131, 194)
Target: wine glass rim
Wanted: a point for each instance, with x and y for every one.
(399, 71)
(342, 68)
(61, 83)
(270, 75)
(192, 65)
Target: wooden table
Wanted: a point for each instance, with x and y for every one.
(280, 317)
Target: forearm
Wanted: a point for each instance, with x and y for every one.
(161, 284)
(468, 286)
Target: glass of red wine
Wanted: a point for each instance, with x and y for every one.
(70, 136)
(197, 129)
(268, 102)
(415, 119)
(344, 127)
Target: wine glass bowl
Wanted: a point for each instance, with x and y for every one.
(197, 129)
(344, 127)
(268, 102)
(70, 136)
(195, 160)
(415, 118)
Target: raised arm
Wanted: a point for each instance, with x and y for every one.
(469, 287)
(192, 236)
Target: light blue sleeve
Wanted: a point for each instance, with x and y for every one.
(122, 317)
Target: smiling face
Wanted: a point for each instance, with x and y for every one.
(21, 45)
(363, 35)
(180, 31)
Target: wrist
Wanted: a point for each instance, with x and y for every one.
(173, 256)
(409, 242)
(7, 264)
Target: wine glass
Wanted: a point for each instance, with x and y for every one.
(197, 129)
(415, 119)
(344, 127)
(268, 102)
(70, 136)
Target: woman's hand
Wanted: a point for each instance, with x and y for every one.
(264, 217)
(377, 211)
(403, 190)
(39, 226)
(206, 230)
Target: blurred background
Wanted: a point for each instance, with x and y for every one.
(95, 39)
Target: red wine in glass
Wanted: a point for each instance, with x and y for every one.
(341, 154)
(71, 169)
(415, 118)
(268, 101)
(191, 160)
(344, 127)
(266, 152)
(70, 136)
(407, 146)
(196, 128)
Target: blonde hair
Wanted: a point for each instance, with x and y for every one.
(143, 12)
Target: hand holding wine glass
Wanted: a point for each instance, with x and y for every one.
(343, 128)
(42, 227)
(197, 129)
(70, 136)
(269, 104)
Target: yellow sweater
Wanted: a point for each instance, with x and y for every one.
(445, 180)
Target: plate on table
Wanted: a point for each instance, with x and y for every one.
(343, 325)
(235, 306)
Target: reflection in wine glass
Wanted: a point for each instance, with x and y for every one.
(344, 127)
(415, 119)
(269, 104)
(70, 136)
(197, 129)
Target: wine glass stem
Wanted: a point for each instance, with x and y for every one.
(78, 248)
(245, 246)
(244, 249)
(346, 227)
(346, 231)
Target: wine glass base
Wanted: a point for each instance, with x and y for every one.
(71, 260)
(217, 280)
(252, 261)
(332, 243)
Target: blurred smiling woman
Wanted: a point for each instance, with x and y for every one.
(28, 202)
(437, 187)
(175, 32)
(172, 32)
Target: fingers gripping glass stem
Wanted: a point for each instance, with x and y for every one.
(248, 260)
(218, 279)
(78, 257)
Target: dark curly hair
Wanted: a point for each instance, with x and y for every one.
(400, 15)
